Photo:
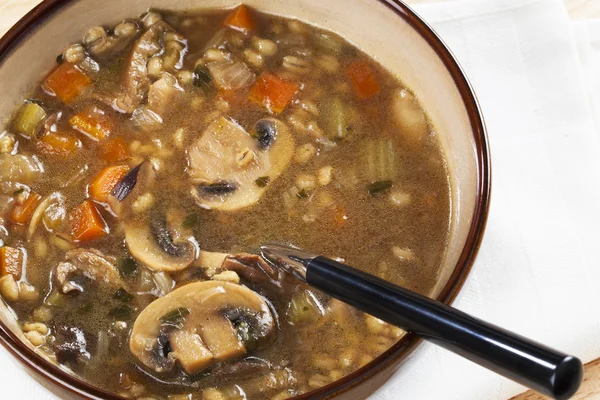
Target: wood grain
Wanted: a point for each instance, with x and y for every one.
(12, 10)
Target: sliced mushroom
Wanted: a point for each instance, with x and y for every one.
(252, 268)
(136, 81)
(210, 261)
(152, 244)
(226, 162)
(92, 264)
(200, 324)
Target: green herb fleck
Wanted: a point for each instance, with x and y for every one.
(121, 312)
(378, 187)
(60, 59)
(18, 191)
(303, 194)
(203, 79)
(262, 182)
(175, 318)
(127, 267)
(123, 295)
(246, 334)
(190, 220)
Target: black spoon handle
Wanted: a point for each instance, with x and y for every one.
(541, 368)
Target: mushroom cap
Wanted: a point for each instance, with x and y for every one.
(143, 245)
(207, 334)
(226, 161)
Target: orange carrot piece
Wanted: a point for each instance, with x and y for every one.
(105, 182)
(58, 144)
(11, 262)
(273, 92)
(66, 82)
(241, 19)
(87, 223)
(22, 213)
(93, 123)
(114, 150)
(363, 80)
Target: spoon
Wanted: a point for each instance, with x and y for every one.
(534, 365)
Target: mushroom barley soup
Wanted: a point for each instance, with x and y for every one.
(139, 178)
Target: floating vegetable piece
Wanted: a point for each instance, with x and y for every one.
(87, 223)
(231, 74)
(30, 117)
(220, 181)
(20, 168)
(338, 119)
(241, 19)
(58, 144)
(106, 180)
(22, 213)
(155, 248)
(381, 160)
(272, 92)
(304, 308)
(114, 150)
(66, 82)
(363, 80)
(92, 122)
(40, 212)
(11, 262)
(200, 319)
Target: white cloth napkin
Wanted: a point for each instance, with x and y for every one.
(538, 268)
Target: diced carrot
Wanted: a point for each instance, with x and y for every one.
(93, 123)
(363, 80)
(11, 262)
(58, 144)
(87, 223)
(105, 182)
(66, 82)
(21, 214)
(241, 19)
(114, 150)
(273, 92)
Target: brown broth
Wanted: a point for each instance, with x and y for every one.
(340, 219)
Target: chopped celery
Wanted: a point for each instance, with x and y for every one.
(381, 160)
(337, 119)
(30, 117)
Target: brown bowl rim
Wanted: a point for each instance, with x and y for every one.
(400, 349)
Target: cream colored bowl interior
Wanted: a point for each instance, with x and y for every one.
(366, 23)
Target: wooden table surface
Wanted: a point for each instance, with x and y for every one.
(12, 10)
